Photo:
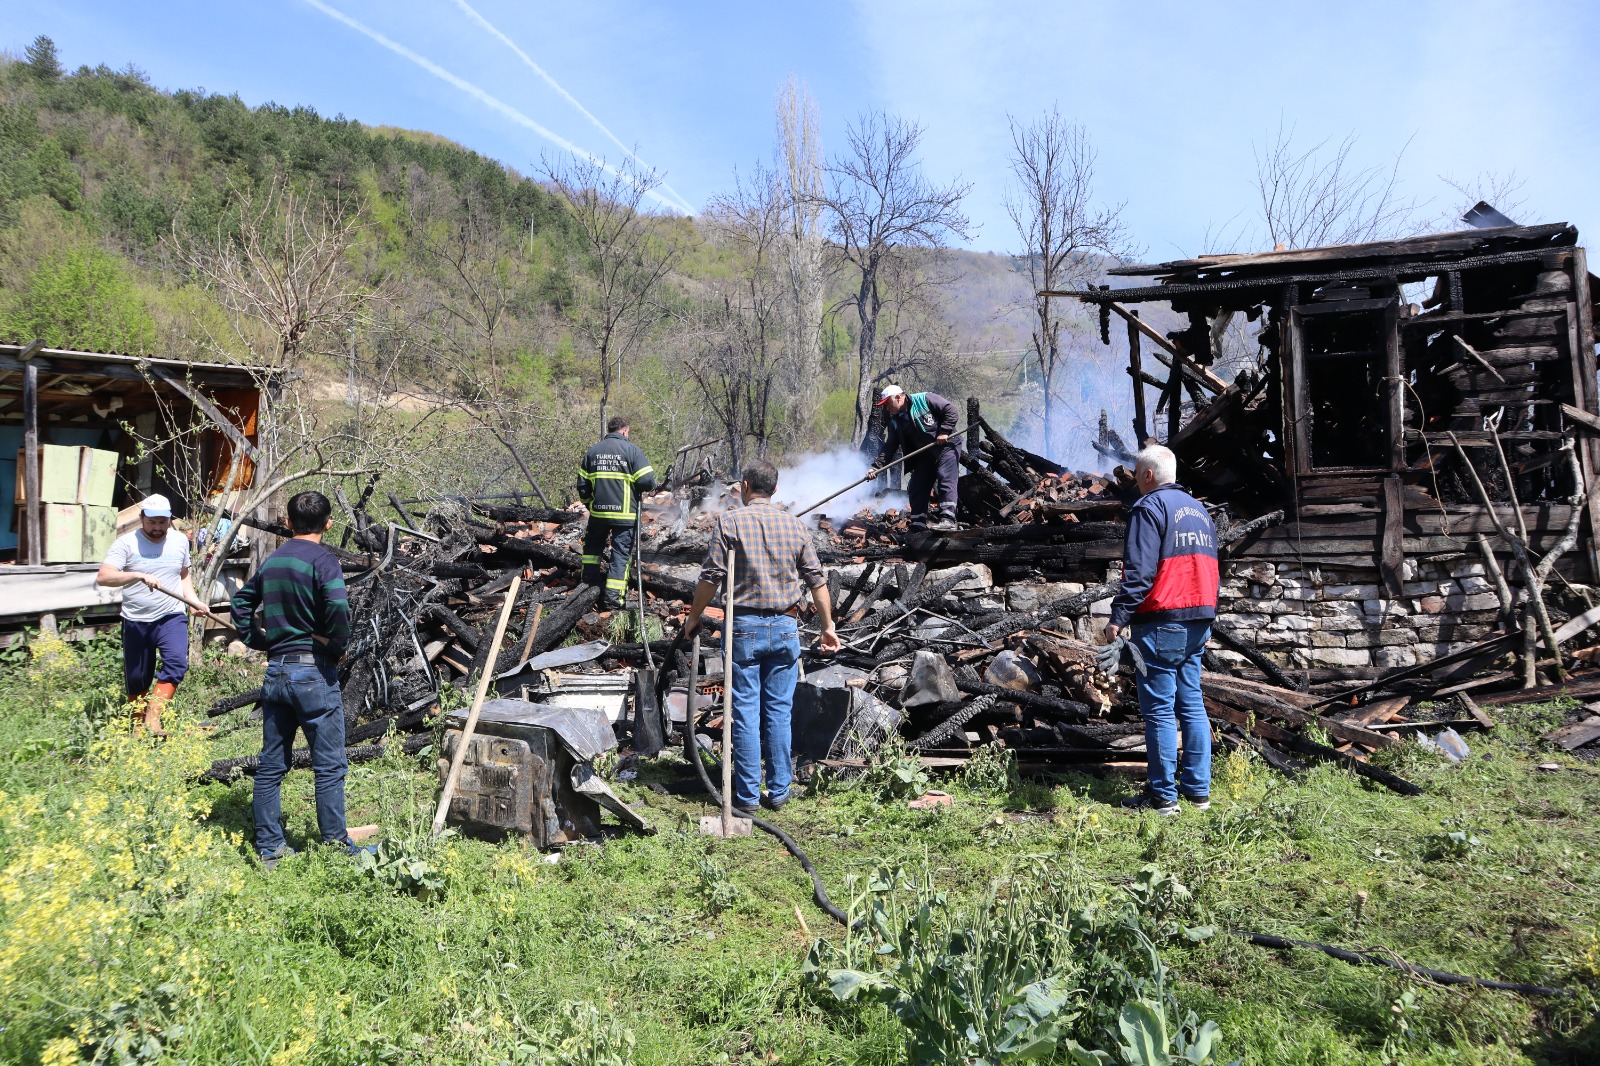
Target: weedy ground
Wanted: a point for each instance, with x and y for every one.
(136, 927)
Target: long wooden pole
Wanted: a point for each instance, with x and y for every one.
(727, 700)
(30, 461)
(454, 777)
(875, 473)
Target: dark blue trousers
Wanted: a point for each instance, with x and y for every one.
(140, 643)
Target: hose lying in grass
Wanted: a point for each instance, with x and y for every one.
(1361, 957)
(692, 750)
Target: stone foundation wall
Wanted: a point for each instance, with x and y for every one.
(1310, 616)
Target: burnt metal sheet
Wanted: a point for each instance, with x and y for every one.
(559, 657)
(585, 732)
(29, 591)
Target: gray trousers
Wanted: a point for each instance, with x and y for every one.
(934, 474)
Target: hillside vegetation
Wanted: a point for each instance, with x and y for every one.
(469, 286)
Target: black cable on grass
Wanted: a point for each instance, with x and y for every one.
(1366, 958)
(692, 750)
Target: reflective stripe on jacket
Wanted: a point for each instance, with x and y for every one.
(1169, 565)
(611, 476)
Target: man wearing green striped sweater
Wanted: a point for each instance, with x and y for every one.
(296, 610)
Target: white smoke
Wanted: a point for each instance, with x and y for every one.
(813, 477)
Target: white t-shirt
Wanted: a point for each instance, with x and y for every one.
(166, 559)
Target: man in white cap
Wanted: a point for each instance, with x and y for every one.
(146, 559)
(913, 420)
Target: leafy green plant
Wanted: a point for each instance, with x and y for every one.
(1031, 969)
(717, 892)
(580, 1034)
(992, 771)
(893, 772)
(403, 869)
(1457, 843)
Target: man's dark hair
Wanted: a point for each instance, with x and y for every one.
(761, 476)
(308, 512)
(616, 423)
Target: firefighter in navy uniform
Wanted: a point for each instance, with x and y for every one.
(614, 473)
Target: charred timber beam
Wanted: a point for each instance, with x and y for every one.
(464, 633)
(226, 770)
(551, 555)
(1061, 710)
(1295, 742)
(1272, 670)
(560, 621)
(512, 513)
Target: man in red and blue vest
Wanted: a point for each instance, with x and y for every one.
(1166, 606)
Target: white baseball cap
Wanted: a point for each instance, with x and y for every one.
(156, 507)
(889, 393)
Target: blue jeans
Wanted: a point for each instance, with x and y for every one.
(303, 696)
(766, 665)
(1169, 700)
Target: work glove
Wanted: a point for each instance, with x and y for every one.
(1109, 656)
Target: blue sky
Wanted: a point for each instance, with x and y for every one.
(1176, 96)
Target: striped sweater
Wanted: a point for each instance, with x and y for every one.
(296, 596)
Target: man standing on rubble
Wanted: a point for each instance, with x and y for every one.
(915, 420)
(613, 475)
(151, 566)
(1163, 614)
(773, 560)
(296, 610)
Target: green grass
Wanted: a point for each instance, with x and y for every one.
(696, 946)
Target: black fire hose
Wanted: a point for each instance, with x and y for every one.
(691, 748)
(1360, 958)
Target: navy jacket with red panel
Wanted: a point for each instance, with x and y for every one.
(1169, 564)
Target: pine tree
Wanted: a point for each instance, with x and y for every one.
(42, 59)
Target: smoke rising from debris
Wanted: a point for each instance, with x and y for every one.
(812, 477)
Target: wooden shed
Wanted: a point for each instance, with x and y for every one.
(184, 429)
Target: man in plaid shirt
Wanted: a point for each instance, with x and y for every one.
(774, 560)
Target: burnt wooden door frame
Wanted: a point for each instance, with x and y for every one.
(1297, 409)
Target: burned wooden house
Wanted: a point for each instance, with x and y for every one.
(1420, 409)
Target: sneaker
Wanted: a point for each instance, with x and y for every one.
(270, 862)
(1199, 803)
(747, 812)
(774, 805)
(1146, 802)
(354, 850)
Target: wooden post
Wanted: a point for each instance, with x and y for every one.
(30, 460)
(974, 417)
(1392, 563)
(727, 700)
(453, 778)
(1175, 398)
(1141, 427)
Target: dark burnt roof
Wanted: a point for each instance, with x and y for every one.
(1410, 259)
(1432, 247)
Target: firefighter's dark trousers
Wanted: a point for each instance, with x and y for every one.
(934, 474)
(608, 573)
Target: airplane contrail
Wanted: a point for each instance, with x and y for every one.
(472, 13)
(472, 90)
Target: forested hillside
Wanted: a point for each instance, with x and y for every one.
(450, 308)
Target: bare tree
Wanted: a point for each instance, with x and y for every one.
(1503, 192)
(878, 204)
(1320, 196)
(799, 162)
(627, 257)
(280, 264)
(1062, 229)
(742, 361)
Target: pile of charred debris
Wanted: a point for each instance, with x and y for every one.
(952, 640)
